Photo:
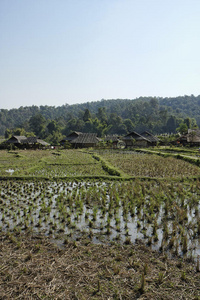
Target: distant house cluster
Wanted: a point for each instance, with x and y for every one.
(133, 139)
(78, 139)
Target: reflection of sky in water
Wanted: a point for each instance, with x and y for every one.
(11, 171)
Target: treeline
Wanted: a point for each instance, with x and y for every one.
(120, 116)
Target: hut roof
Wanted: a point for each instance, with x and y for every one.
(36, 140)
(73, 135)
(75, 132)
(43, 143)
(86, 138)
(17, 139)
(136, 136)
(149, 136)
(2, 140)
(32, 139)
(113, 138)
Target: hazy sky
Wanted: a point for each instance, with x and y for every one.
(54, 52)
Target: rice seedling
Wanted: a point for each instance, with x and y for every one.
(160, 278)
(142, 284)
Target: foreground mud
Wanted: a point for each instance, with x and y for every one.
(32, 267)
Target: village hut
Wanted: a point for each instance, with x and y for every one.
(70, 137)
(85, 140)
(192, 138)
(26, 142)
(134, 139)
(152, 138)
(114, 140)
(34, 142)
(17, 140)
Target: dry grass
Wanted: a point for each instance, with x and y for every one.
(33, 268)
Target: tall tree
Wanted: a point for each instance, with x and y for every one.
(37, 125)
(87, 115)
(171, 124)
(101, 114)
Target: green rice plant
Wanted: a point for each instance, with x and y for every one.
(101, 226)
(127, 241)
(86, 215)
(73, 225)
(155, 227)
(108, 222)
(142, 284)
(117, 221)
(183, 276)
(91, 234)
(127, 232)
(149, 242)
(172, 242)
(91, 223)
(126, 226)
(198, 226)
(165, 231)
(198, 264)
(94, 215)
(26, 224)
(118, 228)
(155, 238)
(185, 244)
(39, 224)
(160, 278)
(108, 230)
(176, 248)
(118, 237)
(145, 269)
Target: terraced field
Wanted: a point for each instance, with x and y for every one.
(121, 198)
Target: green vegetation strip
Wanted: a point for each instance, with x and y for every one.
(77, 177)
(70, 164)
(107, 167)
(180, 150)
(192, 160)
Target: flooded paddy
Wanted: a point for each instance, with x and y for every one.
(165, 216)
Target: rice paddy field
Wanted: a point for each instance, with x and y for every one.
(48, 164)
(134, 235)
(141, 164)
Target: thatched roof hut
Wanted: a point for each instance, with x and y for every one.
(17, 139)
(28, 142)
(85, 140)
(70, 137)
(134, 139)
(152, 138)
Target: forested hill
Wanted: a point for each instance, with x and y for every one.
(120, 116)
